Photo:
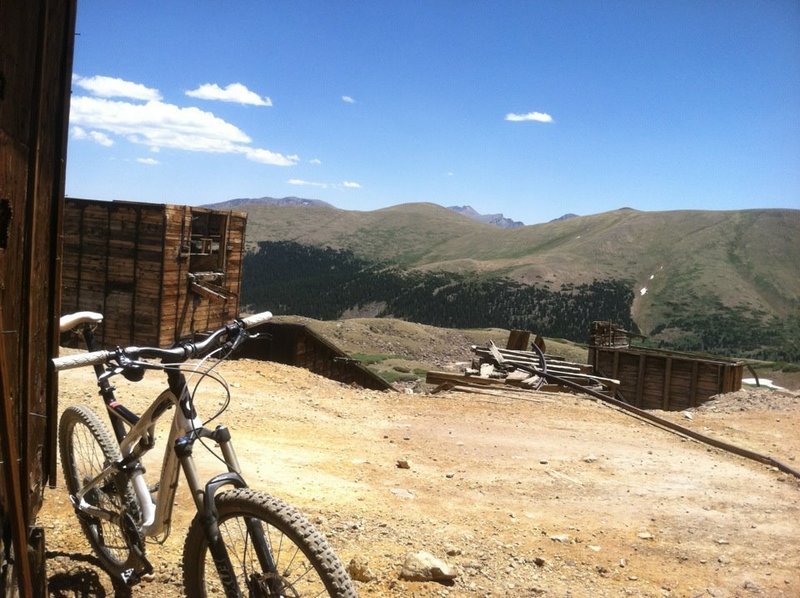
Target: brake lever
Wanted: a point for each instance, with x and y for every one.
(240, 338)
(109, 373)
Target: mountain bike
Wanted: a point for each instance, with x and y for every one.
(240, 542)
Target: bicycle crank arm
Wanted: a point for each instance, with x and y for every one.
(138, 565)
(84, 509)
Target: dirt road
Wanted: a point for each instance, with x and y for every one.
(525, 495)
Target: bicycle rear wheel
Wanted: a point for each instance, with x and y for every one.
(274, 551)
(86, 448)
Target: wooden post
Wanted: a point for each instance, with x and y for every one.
(519, 340)
(10, 454)
(667, 382)
(640, 379)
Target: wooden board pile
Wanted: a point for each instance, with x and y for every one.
(518, 370)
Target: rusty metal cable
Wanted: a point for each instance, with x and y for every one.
(655, 420)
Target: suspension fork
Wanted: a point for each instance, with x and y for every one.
(203, 496)
(204, 501)
(206, 507)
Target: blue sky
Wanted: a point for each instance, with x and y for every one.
(533, 109)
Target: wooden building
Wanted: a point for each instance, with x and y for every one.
(656, 379)
(36, 46)
(157, 272)
(296, 344)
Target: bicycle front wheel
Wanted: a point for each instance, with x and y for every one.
(87, 448)
(273, 549)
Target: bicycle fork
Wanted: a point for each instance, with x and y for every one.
(204, 501)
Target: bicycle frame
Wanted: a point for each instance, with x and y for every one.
(186, 427)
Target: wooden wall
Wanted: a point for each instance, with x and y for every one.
(295, 344)
(208, 303)
(35, 71)
(652, 379)
(156, 272)
(112, 264)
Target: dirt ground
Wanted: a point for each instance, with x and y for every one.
(524, 495)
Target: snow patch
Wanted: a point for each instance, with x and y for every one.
(766, 382)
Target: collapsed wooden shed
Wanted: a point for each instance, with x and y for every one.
(296, 344)
(157, 272)
(656, 379)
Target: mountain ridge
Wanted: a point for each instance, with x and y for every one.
(498, 220)
(684, 267)
(495, 219)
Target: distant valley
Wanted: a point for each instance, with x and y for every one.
(716, 281)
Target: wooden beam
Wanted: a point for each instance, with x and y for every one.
(10, 453)
(693, 384)
(640, 380)
(667, 382)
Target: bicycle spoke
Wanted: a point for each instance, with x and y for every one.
(87, 449)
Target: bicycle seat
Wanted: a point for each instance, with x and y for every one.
(70, 321)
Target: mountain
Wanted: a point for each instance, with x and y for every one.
(495, 219)
(298, 202)
(564, 217)
(724, 281)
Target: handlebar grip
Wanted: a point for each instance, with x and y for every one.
(256, 319)
(79, 360)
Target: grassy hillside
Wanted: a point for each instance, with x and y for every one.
(703, 271)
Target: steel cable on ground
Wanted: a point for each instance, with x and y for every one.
(650, 418)
(672, 426)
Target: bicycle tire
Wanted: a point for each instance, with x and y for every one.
(305, 565)
(86, 448)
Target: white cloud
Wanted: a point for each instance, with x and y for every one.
(98, 137)
(348, 100)
(113, 87)
(267, 157)
(342, 185)
(315, 161)
(541, 117)
(302, 183)
(160, 125)
(148, 161)
(235, 92)
(101, 138)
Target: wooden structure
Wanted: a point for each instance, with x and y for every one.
(296, 344)
(531, 370)
(656, 379)
(156, 272)
(35, 72)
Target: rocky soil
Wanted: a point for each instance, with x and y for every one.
(521, 495)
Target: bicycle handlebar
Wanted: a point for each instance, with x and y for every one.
(181, 352)
(69, 362)
(255, 320)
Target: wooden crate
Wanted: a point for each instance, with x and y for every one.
(158, 273)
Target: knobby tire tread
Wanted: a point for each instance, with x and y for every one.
(279, 515)
(82, 415)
